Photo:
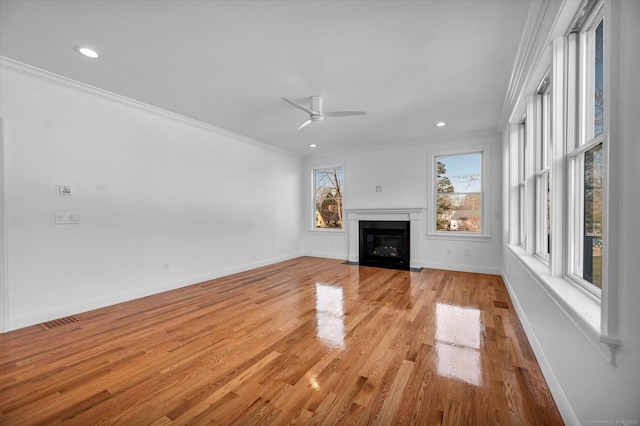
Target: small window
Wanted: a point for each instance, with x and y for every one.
(459, 193)
(328, 198)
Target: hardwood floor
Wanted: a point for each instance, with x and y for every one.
(307, 341)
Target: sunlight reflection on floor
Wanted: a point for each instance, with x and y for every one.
(330, 315)
(458, 343)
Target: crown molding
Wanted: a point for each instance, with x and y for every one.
(529, 50)
(50, 77)
(547, 19)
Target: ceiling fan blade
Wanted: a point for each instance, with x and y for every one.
(306, 123)
(297, 105)
(343, 113)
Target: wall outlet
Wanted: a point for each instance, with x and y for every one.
(67, 219)
(65, 190)
(378, 188)
(165, 266)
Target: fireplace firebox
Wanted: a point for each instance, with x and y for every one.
(384, 244)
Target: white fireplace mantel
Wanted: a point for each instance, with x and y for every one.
(415, 216)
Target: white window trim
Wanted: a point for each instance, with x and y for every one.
(579, 144)
(312, 215)
(594, 317)
(485, 199)
(582, 309)
(530, 177)
(521, 178)
(557, 135)
(544, 121)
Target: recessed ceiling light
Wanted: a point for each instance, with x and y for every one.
(441, 124)
(89, 53)
(313, 145)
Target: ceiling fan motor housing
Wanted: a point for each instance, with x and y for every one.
(316, 104)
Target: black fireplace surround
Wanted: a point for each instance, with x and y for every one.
(384, 243)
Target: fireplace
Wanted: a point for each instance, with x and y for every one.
(384, 243)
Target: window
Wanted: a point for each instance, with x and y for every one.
(592, 216)
(558, 175)
(328, 198)
(459, 193)
(522, 180)
(543, 171)
(586, 158)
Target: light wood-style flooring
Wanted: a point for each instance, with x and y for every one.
(306, 341)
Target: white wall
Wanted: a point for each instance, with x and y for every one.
(164, 202)
(404, 176)
(587, 389)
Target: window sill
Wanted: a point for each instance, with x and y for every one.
(582, 309)
(327, 231)
(458, 236)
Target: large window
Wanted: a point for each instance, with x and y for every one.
(328, 197)
(459, 193)
(559, 174)
(579, 114)
(586, 158)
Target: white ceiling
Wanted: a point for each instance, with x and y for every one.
(409, 64)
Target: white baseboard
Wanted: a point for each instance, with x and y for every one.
(91, 304)
(447, 267)
(461, 267)
(326, 255)
(560, 398)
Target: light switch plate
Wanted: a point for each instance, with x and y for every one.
(65, 190)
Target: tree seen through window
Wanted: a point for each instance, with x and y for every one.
(459, 193)
(328, 197)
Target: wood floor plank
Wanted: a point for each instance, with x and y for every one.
(306, 341)
(394, 398)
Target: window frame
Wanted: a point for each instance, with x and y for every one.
(543, 141)
(578, 145)
(313, 226)
(485, 194)
(594, 313)
(522, 181)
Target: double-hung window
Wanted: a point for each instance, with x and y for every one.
(559, 166)
(586, 158)
(522, 182)
(543, 171)
(459, 193)
(327, 194)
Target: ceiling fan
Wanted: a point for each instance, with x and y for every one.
(316, 110)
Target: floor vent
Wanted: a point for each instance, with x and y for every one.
(58, 322)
